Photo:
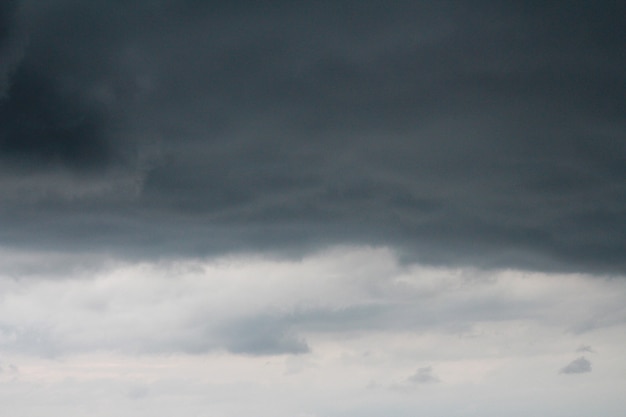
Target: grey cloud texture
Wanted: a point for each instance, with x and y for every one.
(581, 365)
(469, 133)
(260, 307)
(344, 332)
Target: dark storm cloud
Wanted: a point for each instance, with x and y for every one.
(9, 51)
(7, 12)
(484, 133)
(65, 96)
(40, 126)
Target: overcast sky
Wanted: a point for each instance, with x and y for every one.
(312, 209)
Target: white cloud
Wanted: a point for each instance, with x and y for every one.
(301, 337)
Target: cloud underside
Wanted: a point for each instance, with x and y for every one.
(486, 136)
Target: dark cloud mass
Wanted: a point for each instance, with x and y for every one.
(7, 58)
(478, 133)
(42, 126)
(7, 10)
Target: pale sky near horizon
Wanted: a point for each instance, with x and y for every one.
(312, 209)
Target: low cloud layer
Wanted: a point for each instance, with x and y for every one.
(487, 134)
(264, 307)
(344, 332)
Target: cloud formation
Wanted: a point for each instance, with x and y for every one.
(238, 334)
(423, 376)
(264, 307)
(577, 366)
(285, 209)
(488, 135)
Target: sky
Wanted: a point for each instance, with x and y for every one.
(312, 209)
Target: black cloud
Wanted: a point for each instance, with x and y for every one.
(8, 51)
(7, 12)
(42, 126)
(263, 335)
(483, 133)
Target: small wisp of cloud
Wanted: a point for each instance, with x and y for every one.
(577, 366)
(424, 376)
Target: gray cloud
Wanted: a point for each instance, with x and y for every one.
(585, 348)
(263, 335)
(577, 366)
(43, 126)
(277, 307)
(423, 376)
(11, 44)
(486, 135)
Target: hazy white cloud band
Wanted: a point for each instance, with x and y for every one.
(345, 330)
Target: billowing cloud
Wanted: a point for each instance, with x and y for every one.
(487, 135)
(291, 336)
(577, 366)
(236, 208)
(265, 307)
